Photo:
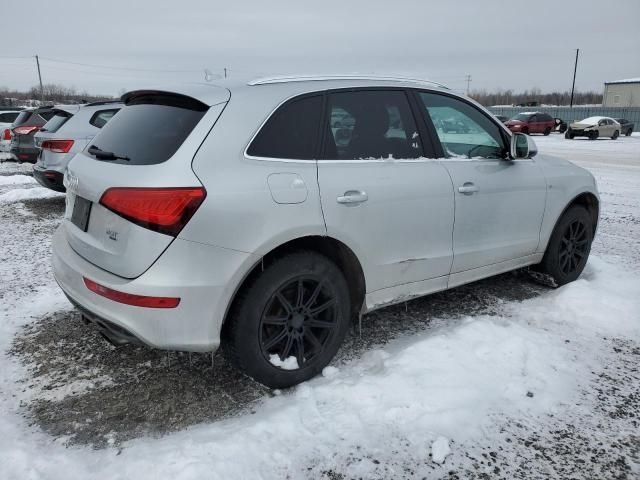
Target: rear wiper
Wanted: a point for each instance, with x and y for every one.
(104, 155)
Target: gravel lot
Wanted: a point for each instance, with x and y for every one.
(69, 391)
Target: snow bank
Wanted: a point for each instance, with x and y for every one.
(16, 179)
(20, 194)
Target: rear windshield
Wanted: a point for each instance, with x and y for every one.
(59, 119)
(148, 133)
(21, 118)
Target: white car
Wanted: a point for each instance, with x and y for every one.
(593, 128)
(7, 117)
(232, 215)
(65, 134)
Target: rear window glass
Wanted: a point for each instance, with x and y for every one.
(148, 133)
(291, 132)
(100, 118)
(22, 118)
(8, 117)
(56, 122)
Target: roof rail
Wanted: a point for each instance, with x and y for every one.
(319, 78)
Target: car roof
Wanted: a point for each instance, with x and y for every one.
(221, 90)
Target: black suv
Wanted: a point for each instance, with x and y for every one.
(626, 127)
(24, 129)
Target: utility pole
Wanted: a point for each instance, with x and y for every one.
(575, 69)
(40, 78)
(225, 72)
(468, 79)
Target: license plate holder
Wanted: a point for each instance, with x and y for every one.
(81, 213)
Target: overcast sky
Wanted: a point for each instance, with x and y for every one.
(501, 44)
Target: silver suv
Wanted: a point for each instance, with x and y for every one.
(246, 216)
(65, 134)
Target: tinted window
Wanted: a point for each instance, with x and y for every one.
(291, 132)
(463, 130)
(100, 118)
(522, 117)
(371, 124)
(22, 118)
(8, 117)
(148, 133)
(56, 122)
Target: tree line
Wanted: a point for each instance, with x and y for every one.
(509, 97)
(51, 93)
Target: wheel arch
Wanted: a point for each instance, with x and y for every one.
(334, 249)
(588, 200)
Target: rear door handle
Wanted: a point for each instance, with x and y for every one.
(353, 197)
(468, 188)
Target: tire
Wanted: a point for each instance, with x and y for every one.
(525, 130)
(547, 131)
(616, 134)
(569, 246)
(594, 134)
(299, 307)
(628, 133)
(568, 135)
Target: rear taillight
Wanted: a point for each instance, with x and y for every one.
(6, 135)
(26, 130)
(57, 146)
(129, 298)
(164, 210)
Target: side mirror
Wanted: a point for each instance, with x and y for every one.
(522, 146)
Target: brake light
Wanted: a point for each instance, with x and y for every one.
(57, 146)
(6, 135)
(129, 298)
(26, 129)
(164, 210)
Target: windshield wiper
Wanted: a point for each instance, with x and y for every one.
(104, 155)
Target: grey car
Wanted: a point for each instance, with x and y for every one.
(593, 128)
(232, 215)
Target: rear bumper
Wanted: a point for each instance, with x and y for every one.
(201, 275)
(26, 154)
(49, 178)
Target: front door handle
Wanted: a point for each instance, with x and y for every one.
(353, 197)
(468, 188)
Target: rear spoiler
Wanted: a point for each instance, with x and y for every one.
(159, 97)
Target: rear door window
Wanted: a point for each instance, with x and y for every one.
(8, 117)
(291, 132)
(371, 124)
(149, 130)
(100, 118)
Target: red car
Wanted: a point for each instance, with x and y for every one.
(532, 122)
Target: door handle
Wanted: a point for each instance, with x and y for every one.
(352, 197)
(468, 188)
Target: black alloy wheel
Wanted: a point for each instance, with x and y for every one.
(299, 320)
(574, 247)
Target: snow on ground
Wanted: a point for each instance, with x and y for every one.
(498, 379)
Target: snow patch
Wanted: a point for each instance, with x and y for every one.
(289, 363)
(440, 449)
(16, 179)
(20, 194)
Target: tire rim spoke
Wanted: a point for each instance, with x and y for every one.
(273, 320)
(315, 323)
(300, 351)
(285, 303)
(273, 341)
(321, 308)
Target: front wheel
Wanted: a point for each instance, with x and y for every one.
(569, 246)
(289, 323)
(568, 135)
(593, 135)
(616, 134)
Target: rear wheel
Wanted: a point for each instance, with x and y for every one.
(616, 134)
(547, 131)
(628, 134)
(569, 246)
(525, 130)
(593, 135)
(289, 323)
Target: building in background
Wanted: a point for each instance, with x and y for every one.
(622, 93)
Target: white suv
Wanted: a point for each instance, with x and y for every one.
(242, 215)
(64, 135)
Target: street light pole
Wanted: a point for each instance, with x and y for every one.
(575, 69)
(40, 78)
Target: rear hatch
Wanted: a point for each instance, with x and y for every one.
(132, 189)
(50, 143)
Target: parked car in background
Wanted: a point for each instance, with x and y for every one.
(232, 215)
(561, 125)
(594, 127)
(502, 118)
(26, 126)
(66, 134)
(531, 122)
(7, 117)
(626, 127)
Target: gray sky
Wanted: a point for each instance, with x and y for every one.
(501, 44)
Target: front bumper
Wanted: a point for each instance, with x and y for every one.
(201, 275)
(49, 178)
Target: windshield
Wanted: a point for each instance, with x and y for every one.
(523, 117)
(591, 120)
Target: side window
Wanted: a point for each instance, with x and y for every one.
(463, 130)
(291, 132)
(370, 124)
(100, 118)
(534, 118)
